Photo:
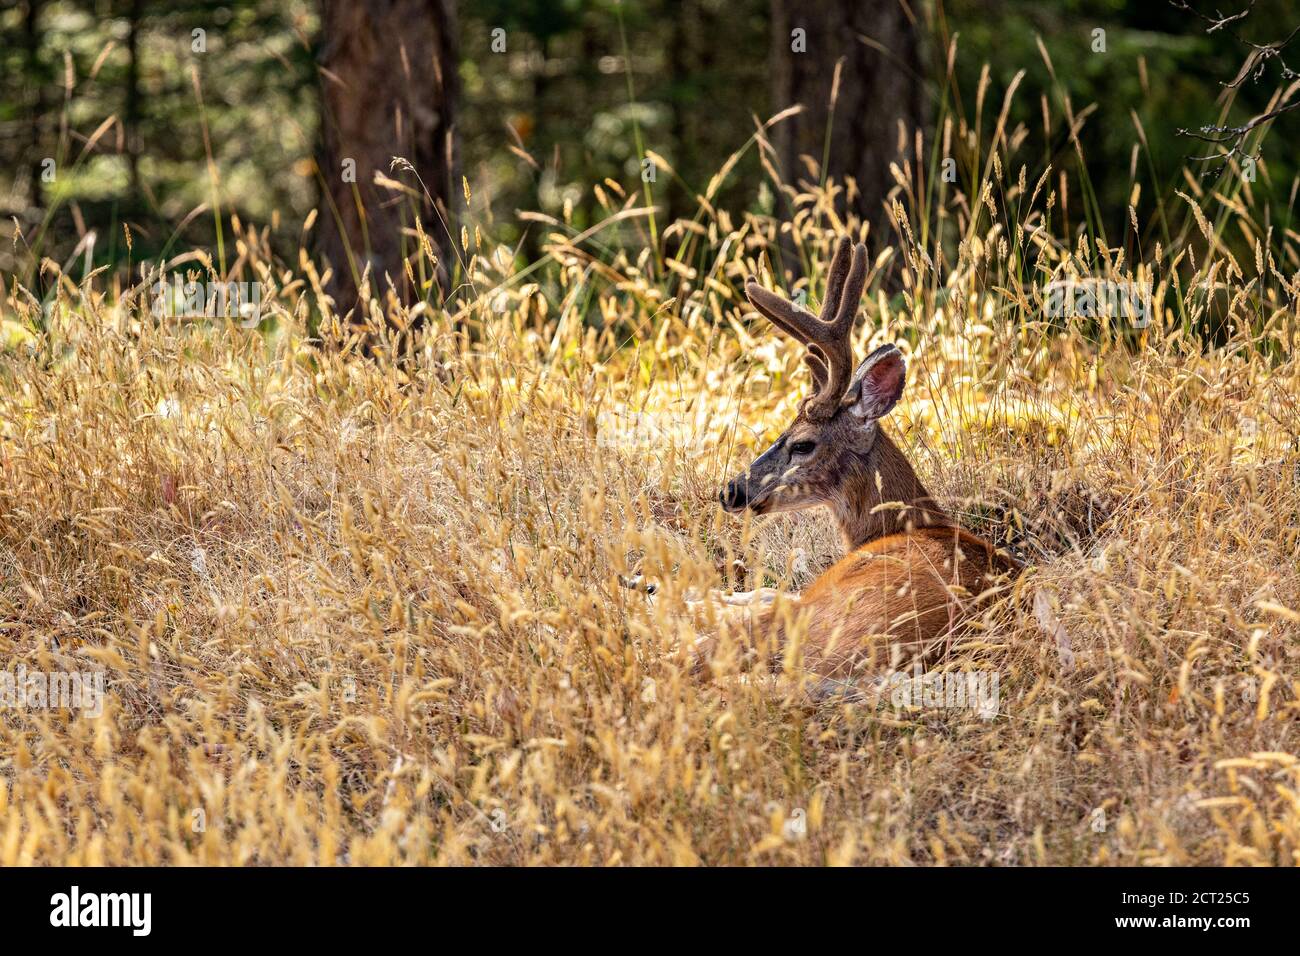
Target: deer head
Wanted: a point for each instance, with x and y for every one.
(834, 452)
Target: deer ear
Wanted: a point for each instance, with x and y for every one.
(878, 383)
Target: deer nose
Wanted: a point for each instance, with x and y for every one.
(735, 496)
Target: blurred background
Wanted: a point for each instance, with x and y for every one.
(150, 123)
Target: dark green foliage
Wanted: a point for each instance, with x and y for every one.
(568, 95)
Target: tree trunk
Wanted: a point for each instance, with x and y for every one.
(876, 91)
(389, 88)
(131, 117)
(32, 57)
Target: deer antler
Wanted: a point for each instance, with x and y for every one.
(827, 337)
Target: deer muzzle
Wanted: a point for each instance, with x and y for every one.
(735, 496)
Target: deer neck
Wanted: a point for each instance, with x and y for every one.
(881, 476)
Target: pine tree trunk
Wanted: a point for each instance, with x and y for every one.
(389, 88)
(131, 113)
(876, 91)
(31, 58)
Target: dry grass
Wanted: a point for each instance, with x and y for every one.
(367, 611)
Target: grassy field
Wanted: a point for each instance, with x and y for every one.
(367, 610)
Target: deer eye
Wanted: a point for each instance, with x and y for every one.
(802, 447)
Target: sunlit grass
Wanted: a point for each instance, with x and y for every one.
(366, 609)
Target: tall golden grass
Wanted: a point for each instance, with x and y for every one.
(366, 609)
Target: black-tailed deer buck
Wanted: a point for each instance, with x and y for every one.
(911, 574)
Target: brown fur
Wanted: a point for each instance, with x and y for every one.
(911, 577)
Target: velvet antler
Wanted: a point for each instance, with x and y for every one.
(827, 337)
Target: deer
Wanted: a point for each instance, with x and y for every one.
(910, 575)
